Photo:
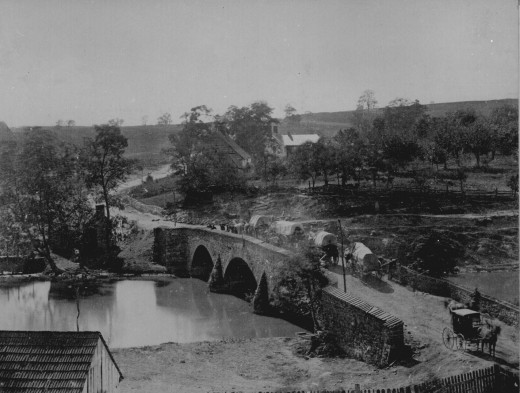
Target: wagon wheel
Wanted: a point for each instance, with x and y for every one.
(460, 342)
(449, 338)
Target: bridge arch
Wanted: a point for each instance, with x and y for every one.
(201, 263)
(240, 278)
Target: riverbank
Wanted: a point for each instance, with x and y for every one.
(263, 364)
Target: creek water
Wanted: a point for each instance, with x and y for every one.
(133, 313)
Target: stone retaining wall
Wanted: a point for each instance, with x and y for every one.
(496, 308)
(363, 331)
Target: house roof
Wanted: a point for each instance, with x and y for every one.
(297, 140)
(228, 146)
(47, 361)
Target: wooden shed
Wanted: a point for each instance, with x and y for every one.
(64, 362)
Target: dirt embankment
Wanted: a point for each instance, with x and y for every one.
(254, 365)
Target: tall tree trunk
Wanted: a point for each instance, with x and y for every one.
(47, 254)
(108, 224)
(477, 156)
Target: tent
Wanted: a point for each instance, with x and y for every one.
(287, 228)
(258, 221)
(325, 238)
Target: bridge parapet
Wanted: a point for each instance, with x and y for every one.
(185, 251)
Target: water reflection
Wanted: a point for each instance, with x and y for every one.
(136, 313)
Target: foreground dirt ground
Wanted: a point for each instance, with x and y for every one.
(254, 365)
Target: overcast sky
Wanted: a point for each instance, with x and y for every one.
(95, 60)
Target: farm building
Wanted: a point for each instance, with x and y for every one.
(227, 146)
(289, 143)
(65, 362)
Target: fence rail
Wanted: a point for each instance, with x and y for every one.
(503, 310)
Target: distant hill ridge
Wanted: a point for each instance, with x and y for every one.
(328, 123)
(152, 139)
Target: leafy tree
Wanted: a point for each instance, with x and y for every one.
(42, 190)
(364, 115)
(299, 288)
(503, 122)
(401, 116)
(71, 123)
(117, 122)
(367, 100)
(105, 165)
(307, 161)
(478, 138)
(512, 183)
(436, 253)
(448, 138)
(349, 150)
(289, 110)
(59, 123)
(195, 156)
(250, 127)
(165, 119)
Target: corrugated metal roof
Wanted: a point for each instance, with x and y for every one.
(37, 362)
(297, 140)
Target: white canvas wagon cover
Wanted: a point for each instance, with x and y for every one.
(364, 258)
(259, 220)
(325, 238)
(287, 228)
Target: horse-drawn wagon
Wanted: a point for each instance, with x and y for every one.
(362, 262)
(467, 327)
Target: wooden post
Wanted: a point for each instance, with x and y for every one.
(342, 257)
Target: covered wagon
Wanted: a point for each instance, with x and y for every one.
(288, 228)
(362, 261)
(258, 221)
(323, 238)
(328, 243)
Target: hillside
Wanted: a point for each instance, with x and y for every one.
(147, 142)
(328, 123)
(144, 142)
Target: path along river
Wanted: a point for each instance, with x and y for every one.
(134, 313)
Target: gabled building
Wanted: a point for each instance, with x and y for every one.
(60, 362)
(289, 142)
(223, 144)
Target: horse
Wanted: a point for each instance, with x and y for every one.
(488, 335)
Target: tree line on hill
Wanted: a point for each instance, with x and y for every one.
(401, 137)
(46, 189)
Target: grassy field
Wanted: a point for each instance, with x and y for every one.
(501, 285)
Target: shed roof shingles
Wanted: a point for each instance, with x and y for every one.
(45, 361)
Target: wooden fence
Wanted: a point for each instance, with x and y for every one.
(500, 309)
(382, 190)
(488, 380)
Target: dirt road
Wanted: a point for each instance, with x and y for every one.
(424, 315)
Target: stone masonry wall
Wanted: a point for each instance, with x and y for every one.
(364, 332)
(175, 248)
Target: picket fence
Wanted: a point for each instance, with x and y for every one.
(488, 380)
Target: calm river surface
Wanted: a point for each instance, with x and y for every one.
(136, 313)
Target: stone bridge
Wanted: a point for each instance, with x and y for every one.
(246, 266)
(229, 262)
